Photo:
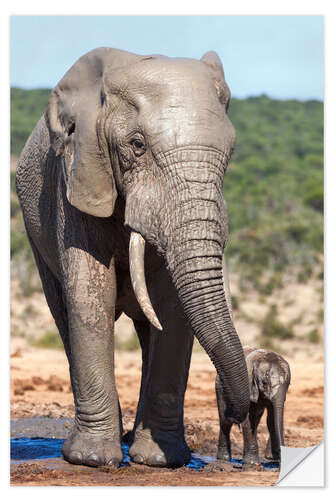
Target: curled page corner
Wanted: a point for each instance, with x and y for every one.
(302, 466)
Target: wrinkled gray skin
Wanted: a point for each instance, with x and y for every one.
(134, 145)
(269, 379)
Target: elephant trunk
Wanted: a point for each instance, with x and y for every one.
(278, 424)
(196, 269)
(193, 230)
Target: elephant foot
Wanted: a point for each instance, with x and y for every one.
(251, 460)
(159, 451)
(84, 448)
(223, 454)
(252, 466)
(275, 456)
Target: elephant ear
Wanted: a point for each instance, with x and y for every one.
(251, 369)
(214, 64)
(75, 117)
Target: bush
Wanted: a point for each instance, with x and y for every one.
(271, 327)
(274, 282)
(26, 108)
(131, 344)
(50, 340)
(235, 303)
(15, 208)
(315, 198)
(314, 337)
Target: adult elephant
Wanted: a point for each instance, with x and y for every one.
(125, 170)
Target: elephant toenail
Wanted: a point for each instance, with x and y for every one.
(158, 460)
(138, 459)
(93, 460)
(114, 462)
(75, 457)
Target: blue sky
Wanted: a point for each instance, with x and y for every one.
(282, 56)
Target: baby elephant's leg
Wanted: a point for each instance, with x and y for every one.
(268, 450)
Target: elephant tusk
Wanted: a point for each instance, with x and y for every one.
(137, 271)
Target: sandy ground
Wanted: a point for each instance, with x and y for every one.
(40, 387)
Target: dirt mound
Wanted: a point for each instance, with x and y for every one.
(314, 391)
(310, 421)
(53, 383)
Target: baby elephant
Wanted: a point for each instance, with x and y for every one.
(269, 378)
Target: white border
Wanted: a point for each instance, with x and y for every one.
(171, 7)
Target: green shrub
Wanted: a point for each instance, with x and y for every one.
(14, 206)
(315, 198)
(130, 344)
(274, 282)
(50, 340)
(304, 275)
(267, 343)
(235, 302)
(320, 315)
(27, 106)
(313, 336)
(12, 182)
(271, 327)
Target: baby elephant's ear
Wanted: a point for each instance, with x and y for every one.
(254, 391)
(75, 120)
(251, 369)
(214, 64)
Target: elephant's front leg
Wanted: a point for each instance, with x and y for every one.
(224, 445)
(159, 430)
(90, 299)
(249, 428)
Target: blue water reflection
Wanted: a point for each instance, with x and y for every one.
(38, 448)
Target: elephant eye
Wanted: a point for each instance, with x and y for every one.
(71, 129)
(138, 147)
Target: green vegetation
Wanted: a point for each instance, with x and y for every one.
(26, 107)
(271, 327)
(130, 344)
(273, 188)
(50, 340)
(314, 337)
(235, 303)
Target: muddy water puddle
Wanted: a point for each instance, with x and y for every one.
(31, 441)
(24, 449)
